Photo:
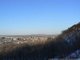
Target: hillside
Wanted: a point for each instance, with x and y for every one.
(64, 46)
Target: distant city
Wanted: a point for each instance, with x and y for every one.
(19, 39)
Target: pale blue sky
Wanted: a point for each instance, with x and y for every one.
(37, 16)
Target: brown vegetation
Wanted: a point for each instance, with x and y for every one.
(51, 48)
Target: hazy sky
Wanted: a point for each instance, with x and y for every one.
(38, 16)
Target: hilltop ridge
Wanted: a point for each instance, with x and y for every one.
(62, 46)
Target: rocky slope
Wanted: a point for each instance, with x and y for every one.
(70, 45)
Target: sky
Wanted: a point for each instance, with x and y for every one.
(21, 17)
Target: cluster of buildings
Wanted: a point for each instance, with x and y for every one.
(20, 40)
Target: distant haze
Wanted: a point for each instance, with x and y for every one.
(21, 17)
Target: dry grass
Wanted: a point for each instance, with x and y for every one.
(40, 49)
